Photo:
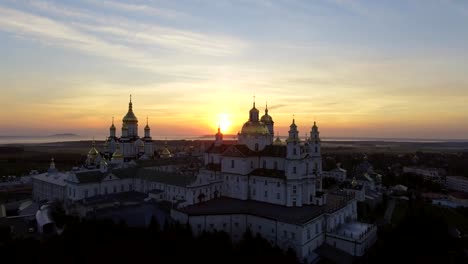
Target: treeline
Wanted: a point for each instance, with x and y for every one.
(103, 241)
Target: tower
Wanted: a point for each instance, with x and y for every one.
(112, 129)
(147, 130)
(149, 150)
(293, 142)
(218, 138)
(314, 141)
(268, 121)
(131, 122)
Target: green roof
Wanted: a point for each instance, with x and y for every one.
(170, 178)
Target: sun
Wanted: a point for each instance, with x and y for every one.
(224, 122)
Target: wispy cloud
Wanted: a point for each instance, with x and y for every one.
(118, 38)
(138, 8)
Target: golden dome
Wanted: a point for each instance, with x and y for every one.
(165, 152)
(277, 141)
(130, 116)
(93, 151)
(266, 118)
(254, 128)
(117, 155)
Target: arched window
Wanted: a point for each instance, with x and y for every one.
(294, 151)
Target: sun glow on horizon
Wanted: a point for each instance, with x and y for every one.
(224, 122)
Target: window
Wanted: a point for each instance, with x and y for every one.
(236, 224)
(294, 189)
(308, 233)
(311, 198)
(294, 151)
(285, 233)
(316, 149)
(294, 170)
(86, 193)
(232, 163)
(278, 184)
(129, 187)
(251, 164)
(316, 228)
(95, 191)
(254, 180)
(69, 192)
(293, 235)
(264, 164)
(237, 179)
(122, 188)
(266, 194)
(199, 226)
(253, 192)
(259, 227)
(256, 146)
(224, 225)
(266, 183)
(74, 192)
(275, 165)
(115, 189)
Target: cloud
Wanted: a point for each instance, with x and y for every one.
(133, 44)
(138, 8)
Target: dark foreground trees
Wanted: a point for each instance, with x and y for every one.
(102, 241)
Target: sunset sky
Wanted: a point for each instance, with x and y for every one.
(360, 68)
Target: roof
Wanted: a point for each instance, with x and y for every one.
(170, 178)
(90, 176)
(270, 173)
(213, 167)
(337, 200)
(217, 149)
(224, 205)
(239, 151)
(57, 178)
(131, 196)
(98, 176)
(274, 151)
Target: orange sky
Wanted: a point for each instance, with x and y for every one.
(383, 69)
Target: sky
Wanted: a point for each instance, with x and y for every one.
(359, 68)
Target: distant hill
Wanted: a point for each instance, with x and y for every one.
(64, 135)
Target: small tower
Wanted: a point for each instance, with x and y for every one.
(148, 145)
(147, 130)
(293, 142)
(52, 168)
(253, 113)
(112, 129)
(93, 156)
(218, 137)
(117, 156)
(314, 141)
(268, 121)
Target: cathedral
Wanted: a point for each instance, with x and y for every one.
(128, 147)
(268, 186)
